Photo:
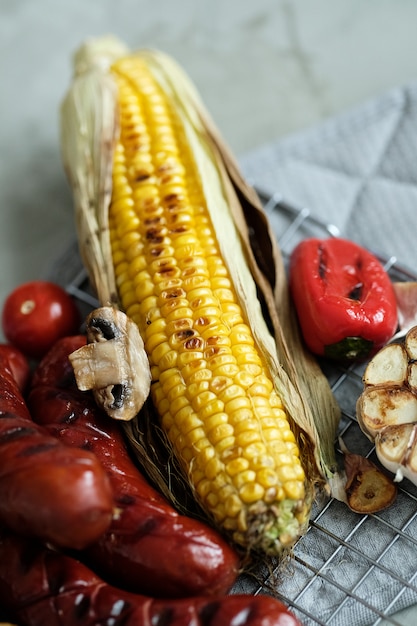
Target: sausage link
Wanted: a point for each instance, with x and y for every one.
(149, 548)
(40, 586)
(47, 489)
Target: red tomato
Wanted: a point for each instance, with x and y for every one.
(36, 314)
(18, 363)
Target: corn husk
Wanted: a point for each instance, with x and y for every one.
(246, 241)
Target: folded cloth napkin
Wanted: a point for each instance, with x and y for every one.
(358, 172)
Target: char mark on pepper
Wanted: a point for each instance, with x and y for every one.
(356, 292)
(322, 262)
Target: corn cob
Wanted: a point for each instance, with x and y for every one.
(181, 273)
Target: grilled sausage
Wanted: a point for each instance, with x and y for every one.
(149, 548)
(40, 586)
(47, 489)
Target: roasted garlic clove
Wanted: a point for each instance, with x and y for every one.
(389, 366)
(411, 343)
(113, 364)
(368, 489)
(387, 407)
(396, 449)
(379, 407)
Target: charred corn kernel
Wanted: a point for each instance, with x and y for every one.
(219, 383)
(215, 398)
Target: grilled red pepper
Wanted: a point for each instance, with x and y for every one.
(344, 298)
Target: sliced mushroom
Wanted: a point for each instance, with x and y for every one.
(113, 363)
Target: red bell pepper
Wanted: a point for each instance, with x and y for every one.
(344, 298)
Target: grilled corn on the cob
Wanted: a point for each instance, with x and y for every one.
(181, 272)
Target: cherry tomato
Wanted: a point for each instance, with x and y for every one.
(18, 363)
(36, 314)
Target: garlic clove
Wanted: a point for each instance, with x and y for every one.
(389, 366)
(412, 377)
(395, 447)
(410, 343)
(379, 407)
(367, 488)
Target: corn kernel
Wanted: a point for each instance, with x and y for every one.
(220, 433)
(294, 490)
(154, 340)
(233, 506)
(177, 400)
(267, 478)
(213, 467)
(236, 466)
(251, 492)
(213, 406)
(202, 399)
(247, 437)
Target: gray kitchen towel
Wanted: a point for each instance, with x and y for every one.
(357, 171)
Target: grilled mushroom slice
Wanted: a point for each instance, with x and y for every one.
(113, 363)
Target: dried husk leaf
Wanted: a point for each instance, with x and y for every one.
(89, 128)
(260, 280)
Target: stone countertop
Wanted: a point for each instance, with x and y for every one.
(265, 69)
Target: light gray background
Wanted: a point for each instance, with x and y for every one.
(265, 68)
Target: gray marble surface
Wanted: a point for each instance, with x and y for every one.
(265, 69)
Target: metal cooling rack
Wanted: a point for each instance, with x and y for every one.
(348, 569)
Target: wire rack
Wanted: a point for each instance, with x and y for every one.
(348, 569)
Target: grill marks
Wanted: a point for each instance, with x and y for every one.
(20, 430)
(353, 270)
(172, 217)
(179, 292)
